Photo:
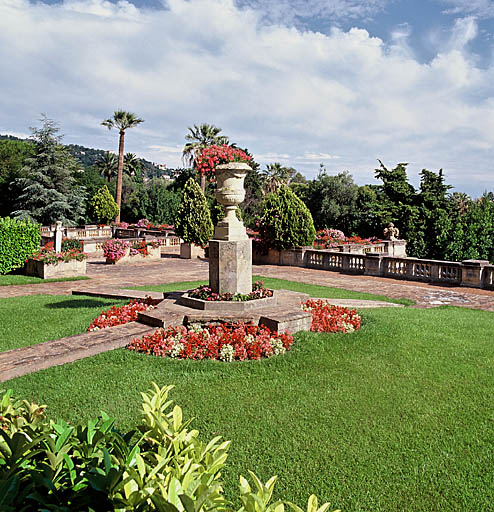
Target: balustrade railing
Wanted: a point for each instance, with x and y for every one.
(474, 273)
(488, 278)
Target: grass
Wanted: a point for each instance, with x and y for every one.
(32, 319)
(16, 279)
(397, 416)
(277, 284)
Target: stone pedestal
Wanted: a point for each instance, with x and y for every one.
(396, 248)
(472, 272)
(230, 266)
(230, 251)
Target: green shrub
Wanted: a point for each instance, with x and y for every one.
(286, 221)
(102, 205)
(71, 243)
(193, 220)
(57, 466)
(19, 239)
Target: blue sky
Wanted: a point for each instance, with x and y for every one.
(302, 82)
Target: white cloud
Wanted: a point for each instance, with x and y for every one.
(289, 11)
(279, 91)
(481, 8)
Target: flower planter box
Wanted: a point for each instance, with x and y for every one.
(191, 251)
(154, 255)
(124, 259)
(71, 268)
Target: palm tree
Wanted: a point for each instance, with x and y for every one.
(201, 137)
(108, 165)
(131, 164)
(275, 175)
(121, 120)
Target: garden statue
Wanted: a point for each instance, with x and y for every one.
(391, 233)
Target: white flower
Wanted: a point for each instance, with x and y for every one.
(226, 353)
(176, 349)
(277, 345)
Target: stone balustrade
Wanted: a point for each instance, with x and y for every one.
(472, 273)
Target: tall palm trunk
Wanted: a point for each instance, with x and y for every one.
(120, 172)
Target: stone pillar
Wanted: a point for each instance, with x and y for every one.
(373, 264)
(58, 236)
(230, 250)
(471, 274)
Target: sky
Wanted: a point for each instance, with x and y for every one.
(301, 82)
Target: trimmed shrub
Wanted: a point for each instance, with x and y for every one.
(286, 221)
(58, 466)
(19, 239)
(102, 205)
(193, 220)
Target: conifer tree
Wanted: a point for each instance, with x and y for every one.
(193, 219)
(49, 190)
(286, 221)
(103, 206)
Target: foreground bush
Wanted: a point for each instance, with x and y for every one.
(57, 466)
(19, 239)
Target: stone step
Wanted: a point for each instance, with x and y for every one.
(21, 361)
(117, 293)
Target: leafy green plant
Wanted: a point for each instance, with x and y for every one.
(18, 240)
(72, 243)
(56, 466)
(193, 220)
(102, 205)
(286, 221)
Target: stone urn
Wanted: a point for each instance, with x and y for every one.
(230, 193)
(230, 251)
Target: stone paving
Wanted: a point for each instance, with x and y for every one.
(173, 269)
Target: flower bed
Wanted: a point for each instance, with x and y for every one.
(204, 292)
(223, 342)
(329, 318)
(330, 238)
(123, 314)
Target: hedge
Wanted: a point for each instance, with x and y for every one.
(19, 239)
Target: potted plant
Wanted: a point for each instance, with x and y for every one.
(193, 222)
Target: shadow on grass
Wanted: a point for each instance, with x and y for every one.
(78, 304)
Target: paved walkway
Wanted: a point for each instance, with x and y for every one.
(172, 269)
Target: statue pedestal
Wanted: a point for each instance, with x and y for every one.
(230, 266)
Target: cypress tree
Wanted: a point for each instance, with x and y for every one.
(286, 221)
(193, 219)
(103, 206)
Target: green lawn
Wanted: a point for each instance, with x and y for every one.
(32, 319)
(398, 416)
(15, 279)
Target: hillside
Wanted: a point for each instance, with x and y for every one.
(89, 156)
